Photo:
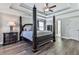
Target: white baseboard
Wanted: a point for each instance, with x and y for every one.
(59, 36)
(70, 38)
(66, 37)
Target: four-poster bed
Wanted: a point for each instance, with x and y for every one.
(38, 38)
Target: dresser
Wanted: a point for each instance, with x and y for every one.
(10, 37)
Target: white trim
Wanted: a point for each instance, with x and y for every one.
(70, 38)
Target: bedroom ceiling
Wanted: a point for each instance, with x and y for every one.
(26, 9)
(60, 7)
(40, 6)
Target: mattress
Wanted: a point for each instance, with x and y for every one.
(29, 34)
(43, 33)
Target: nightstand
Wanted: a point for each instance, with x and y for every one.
(10, 37)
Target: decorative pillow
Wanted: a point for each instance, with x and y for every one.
(28, 28)
(25, 29)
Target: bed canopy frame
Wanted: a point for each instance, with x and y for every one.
(35, 28)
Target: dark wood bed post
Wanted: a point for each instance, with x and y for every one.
(34, 30)
(20, 23)
(54, 28)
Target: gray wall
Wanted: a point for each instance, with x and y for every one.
(26, 20)
(4, 24)
(70, 28)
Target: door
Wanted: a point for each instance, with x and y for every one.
(59, 28)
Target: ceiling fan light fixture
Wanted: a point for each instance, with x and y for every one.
(47, 9)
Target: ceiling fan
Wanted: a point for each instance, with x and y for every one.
(47, 8)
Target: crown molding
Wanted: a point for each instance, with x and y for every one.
(44, 15)
(70, 17)
(26, 13)
(71, 11)
(31, 8)
(57, 13)
(68, 12)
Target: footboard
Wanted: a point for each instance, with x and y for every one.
(44, 39)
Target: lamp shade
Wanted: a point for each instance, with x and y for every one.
(12, 23)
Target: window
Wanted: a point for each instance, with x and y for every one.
(41, 25)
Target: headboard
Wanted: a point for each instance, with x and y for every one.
(27, 27)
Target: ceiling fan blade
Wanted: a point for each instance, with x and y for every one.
(51, 10)
(46, 4)
(52, 6)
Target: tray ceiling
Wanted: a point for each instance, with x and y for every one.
(40, 6)
(60, 9)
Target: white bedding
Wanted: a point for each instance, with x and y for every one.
(28, 34)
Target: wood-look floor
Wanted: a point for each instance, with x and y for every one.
(60, 47)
